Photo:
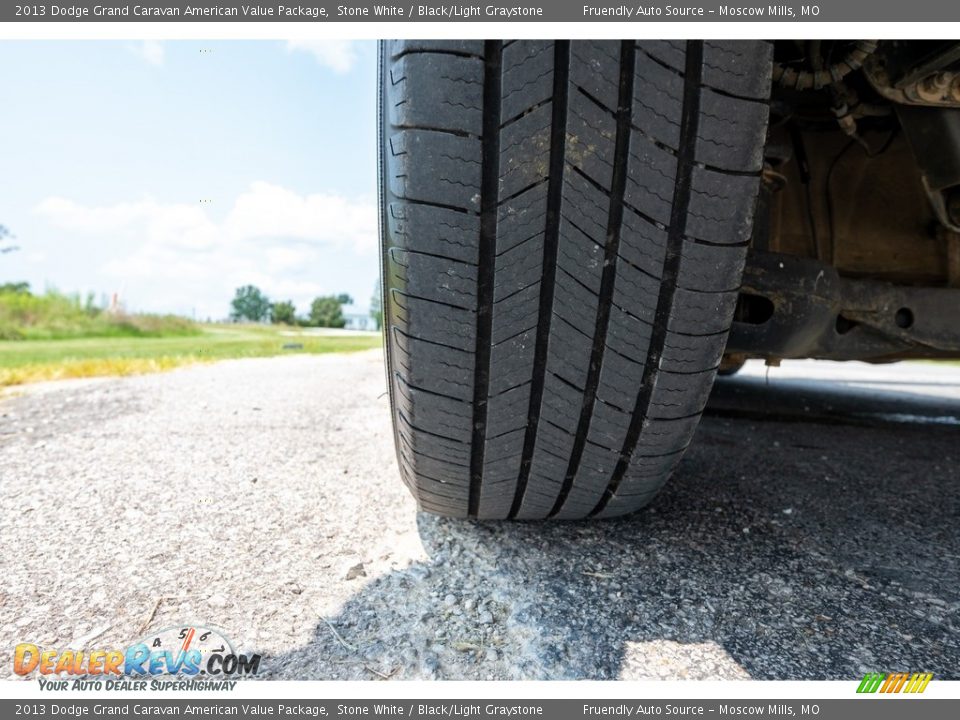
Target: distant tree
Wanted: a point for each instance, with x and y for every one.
(251, 304)
(5, 234)
(283, 313)
(344, 299)
(90, 306)
(326, 312)
(19, 288)
(376, 306)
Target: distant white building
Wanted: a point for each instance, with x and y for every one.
(358, 318)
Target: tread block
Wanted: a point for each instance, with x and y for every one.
(691, 353)
(657, 101)
(620, 378)
(516, 315)
(577, 305)
(449, 100)
(580, 257)
(697, 313)
(595, 67)
(525, 152)
(609, 429)
(677, 396)
(438, 368)
(721, 207)
(518, 269)
(440, 415)
(723, 120)
(591, 137)
(435, 230)
(438, 168)
(527, 77)
(596, 466)
(664, 436)
(636, 289)
(574, 362)
(628, 334)
(643, 243)
(508, 410)
(592, 207)
(521, 218)
(432, 322)
(711, 268)
(433, 278)
(436, 445)
(651, 174)
(672, 54)
(739, 67)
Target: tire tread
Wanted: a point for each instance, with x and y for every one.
(565, 225)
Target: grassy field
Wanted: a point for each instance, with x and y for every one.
(24, 361)
(56, 316)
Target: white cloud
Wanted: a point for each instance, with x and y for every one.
(270, 210)
(181, 225)
(262, 211)
(150, 50)
(179, 256)
(338, 55)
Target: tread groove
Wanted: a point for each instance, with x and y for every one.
(408, 336)
(524, 113)
(441, 206)
(433, 129)
(411, 296)
(432, 51)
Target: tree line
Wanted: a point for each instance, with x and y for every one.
(251, 304)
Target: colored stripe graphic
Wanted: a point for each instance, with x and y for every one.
(894, 682)
(922, 680)
(870, 683)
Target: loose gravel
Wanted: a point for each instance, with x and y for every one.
(262, 497)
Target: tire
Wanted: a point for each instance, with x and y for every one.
(564, 226)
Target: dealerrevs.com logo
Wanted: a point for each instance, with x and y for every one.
(200, 657)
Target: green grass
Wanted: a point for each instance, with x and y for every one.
(23, 361)
(55, 316)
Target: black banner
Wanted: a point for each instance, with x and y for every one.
(872, 707)
(501, 11)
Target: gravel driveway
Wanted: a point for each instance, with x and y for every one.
(811, 532)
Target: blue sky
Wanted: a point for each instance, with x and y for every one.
(174, 172)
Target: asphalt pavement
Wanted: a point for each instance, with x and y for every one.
(812, 532)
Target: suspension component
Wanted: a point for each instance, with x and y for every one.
(789, 77)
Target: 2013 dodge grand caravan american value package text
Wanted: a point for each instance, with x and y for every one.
(578, 236)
